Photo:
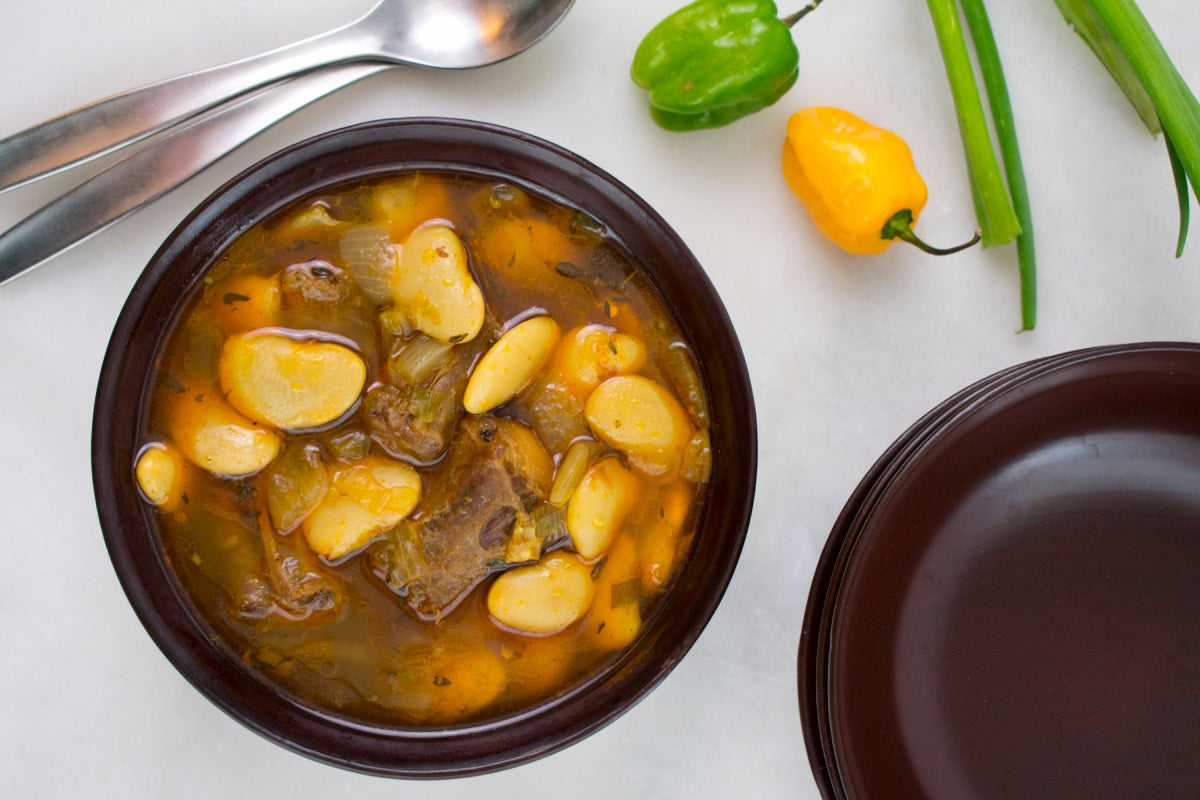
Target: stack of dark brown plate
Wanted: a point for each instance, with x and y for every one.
(1009, 604)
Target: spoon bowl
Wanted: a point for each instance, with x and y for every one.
(459, 34)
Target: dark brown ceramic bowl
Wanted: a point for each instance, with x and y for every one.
(172, 278)
(1009, 605)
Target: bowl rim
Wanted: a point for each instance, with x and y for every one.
(820, 616)
(335, 158)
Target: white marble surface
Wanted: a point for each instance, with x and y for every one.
(844, 353)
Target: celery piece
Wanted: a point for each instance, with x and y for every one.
(426, 403)
(571, 470)
(524, 544)
(1082, 18)
(684, 377)
(1176, 105)
(993, 206)
(1006, 134)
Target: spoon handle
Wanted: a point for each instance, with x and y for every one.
(101, 127)
(159, 167)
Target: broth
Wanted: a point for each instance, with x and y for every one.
(358, 538)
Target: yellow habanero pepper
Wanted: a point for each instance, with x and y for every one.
(858, 182)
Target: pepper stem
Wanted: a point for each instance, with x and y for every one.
(799, 15)
(900, 227)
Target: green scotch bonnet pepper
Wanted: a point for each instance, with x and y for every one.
(715, 61)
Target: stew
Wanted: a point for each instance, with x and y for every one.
(426, 449)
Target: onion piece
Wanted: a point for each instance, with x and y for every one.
(371, 256)
(418, 360)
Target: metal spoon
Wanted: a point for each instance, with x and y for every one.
(151, 171)
(444, 34)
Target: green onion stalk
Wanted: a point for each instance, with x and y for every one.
(1001, 200)
(1122, 39)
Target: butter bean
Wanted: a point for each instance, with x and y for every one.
(660, 525)
(510, 364)
(592, 353)
(160, 475)
(314, 219)
(408, 201)
(616, 614)
(542, 598)
(599, 506)
(215, 437)
(248, 302)
(443, 680)
(637, 416)
(627, 354)
(433, 285)
(538, 666)
(290, 383)
(363, 500)
(466, 679)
